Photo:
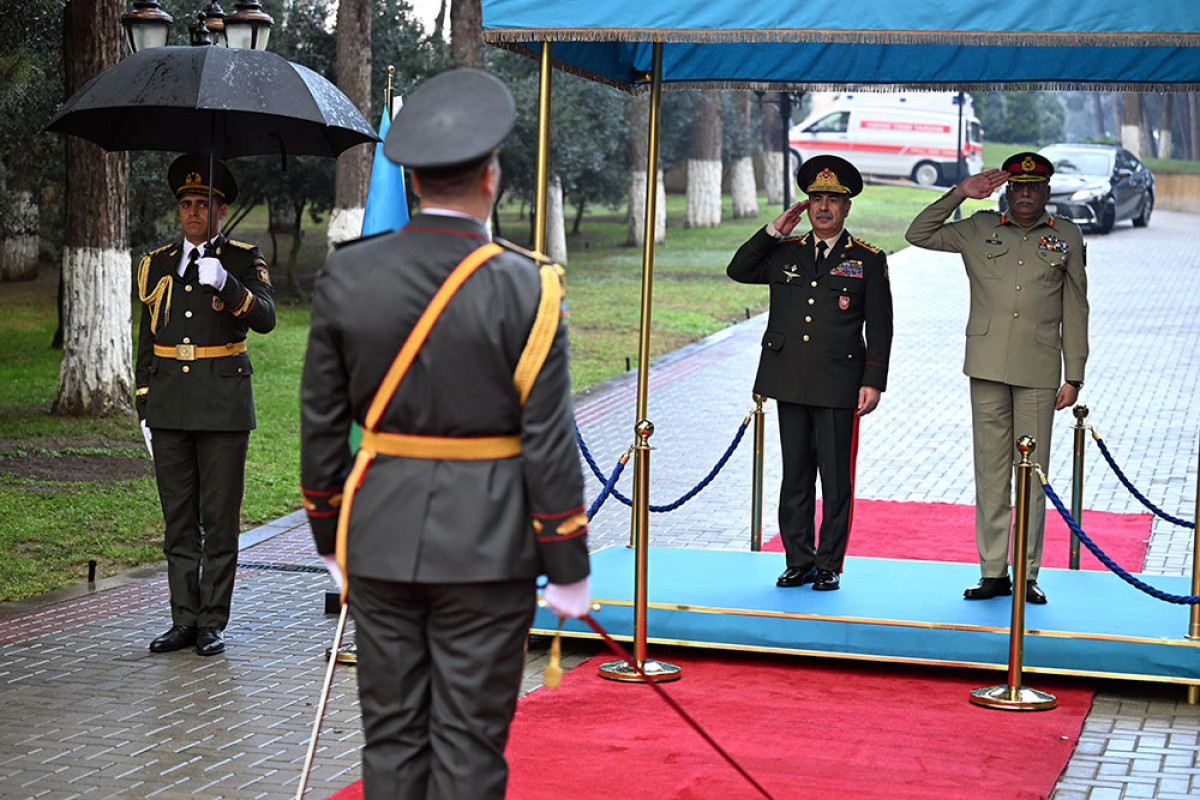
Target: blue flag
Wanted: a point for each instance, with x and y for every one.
(387, 203)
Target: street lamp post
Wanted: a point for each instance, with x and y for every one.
(249, 27)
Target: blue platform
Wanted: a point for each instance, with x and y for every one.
(1095, 624)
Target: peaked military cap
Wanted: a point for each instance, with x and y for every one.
(829, 174)
(189, 173)
(1028, 167)
(453, 118)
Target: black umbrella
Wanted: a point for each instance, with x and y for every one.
(220, 101)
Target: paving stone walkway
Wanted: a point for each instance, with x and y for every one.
(87, 712)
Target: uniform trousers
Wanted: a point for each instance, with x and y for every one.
(201, 476)
(439, 670)
(1001, 413)
(816, 440)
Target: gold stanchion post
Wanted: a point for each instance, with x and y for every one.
(1081, 413)
(756, 482)
(1013, 696)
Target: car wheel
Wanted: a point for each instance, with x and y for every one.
(1143, 217)
(1108, 218)
(926, 173)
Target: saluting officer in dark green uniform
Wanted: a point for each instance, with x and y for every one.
(827, 289)
(467, 485)
(199, 298)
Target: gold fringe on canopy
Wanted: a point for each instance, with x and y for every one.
(640, 84)
(965, 38)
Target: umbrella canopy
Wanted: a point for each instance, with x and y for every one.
(222, 101)
(1017, 44)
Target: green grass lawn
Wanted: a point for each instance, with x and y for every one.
(50, 527)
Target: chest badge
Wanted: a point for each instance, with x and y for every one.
(790, 272)
(218, 304)
(844, 302)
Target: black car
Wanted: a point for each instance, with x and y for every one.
(1097, 186)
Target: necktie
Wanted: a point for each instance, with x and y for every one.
(191, 272)
(822, 248)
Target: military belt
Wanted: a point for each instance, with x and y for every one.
(190, 352)
(448, 448)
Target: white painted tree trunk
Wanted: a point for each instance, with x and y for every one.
(742, 188)
(97, 362)
(556, 225)
(19, 251)
(1131, 138)
(344, 224)
(703, 194)
(773, 176)
(637, 209)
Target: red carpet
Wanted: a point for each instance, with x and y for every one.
(803, 729)
(946, 532)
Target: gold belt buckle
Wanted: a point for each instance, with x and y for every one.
(185, 352)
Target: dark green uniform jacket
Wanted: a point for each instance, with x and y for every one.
(209, 394)
(814, 351)
(431, 520)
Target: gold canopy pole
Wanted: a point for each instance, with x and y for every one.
(1193, 690)
(643, 428)
(543, 150)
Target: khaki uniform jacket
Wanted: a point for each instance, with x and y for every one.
(814, 351)
(1029, 308)
(210, 394)
(430, 520)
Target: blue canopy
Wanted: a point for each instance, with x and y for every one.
(947, 44)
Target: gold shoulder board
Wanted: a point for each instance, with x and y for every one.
(866, 245)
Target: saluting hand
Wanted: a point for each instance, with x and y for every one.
(981, 185)
(790, 218)
(211, 273)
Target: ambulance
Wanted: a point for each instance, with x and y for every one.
(912, 135)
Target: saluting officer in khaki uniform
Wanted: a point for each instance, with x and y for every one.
(828, 289)
(467, 485)
(199, 298)
(1028, 325)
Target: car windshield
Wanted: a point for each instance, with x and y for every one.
(1081, 162)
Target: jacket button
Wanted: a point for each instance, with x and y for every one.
(188, 314)
(811, 301)
(814, 284)
(808, 319)
(806, 337)
(1016, 314)
(187, 288)
(1020, 263)
(187, 340)
(186, 368)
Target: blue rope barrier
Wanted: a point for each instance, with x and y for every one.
(610, 483)
(1117, 569)
(1158, 512)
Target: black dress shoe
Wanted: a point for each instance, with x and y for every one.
(826, 581)
(990, 587)
(1034, 594)
(179, 637)
(797, 576)
(210, 642)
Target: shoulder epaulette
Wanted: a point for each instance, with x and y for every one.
(516, 248)
(159, 250)
(801, 239)
(241, 245)
(865, 245)
(340, 245)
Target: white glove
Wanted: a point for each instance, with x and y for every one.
(211, 273)
(146, 436)
(572, 600)
(335, 571)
